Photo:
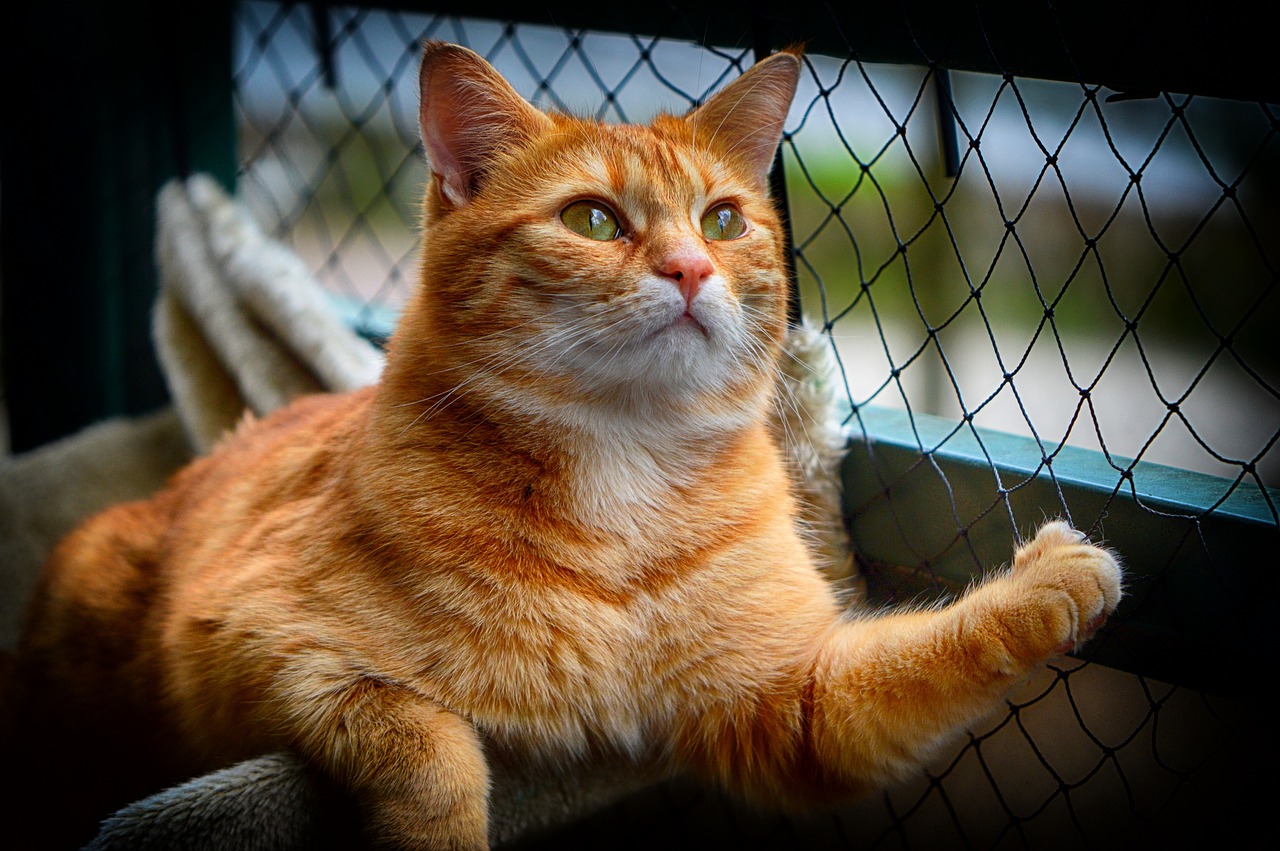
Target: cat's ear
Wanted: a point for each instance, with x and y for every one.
(745, 118)
(469, 114)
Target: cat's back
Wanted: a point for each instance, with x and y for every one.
(93, 670)
(277, 459)
(111, 582)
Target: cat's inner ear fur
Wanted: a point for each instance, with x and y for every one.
(469, 114)
(744, 119)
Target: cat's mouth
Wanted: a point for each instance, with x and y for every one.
(670, 318)
(688, 320)
(680, 324)
(683, 325)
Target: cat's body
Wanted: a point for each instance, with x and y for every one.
(559, 529)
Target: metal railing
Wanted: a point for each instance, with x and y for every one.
(1046, 297)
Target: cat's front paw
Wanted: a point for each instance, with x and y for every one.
(1083, 582)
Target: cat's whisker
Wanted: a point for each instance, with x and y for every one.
(489, 358)
(470, 342)
(563, 340)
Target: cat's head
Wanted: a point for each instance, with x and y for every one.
(569, 263)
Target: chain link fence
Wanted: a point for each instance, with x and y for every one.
(1046, 298)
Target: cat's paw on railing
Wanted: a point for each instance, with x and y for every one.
(1075, 585)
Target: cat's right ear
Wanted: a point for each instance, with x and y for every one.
(469, 114)
(745, 118)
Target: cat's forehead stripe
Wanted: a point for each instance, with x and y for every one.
(643, 167)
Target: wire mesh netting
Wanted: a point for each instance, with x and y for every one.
(1003, 266)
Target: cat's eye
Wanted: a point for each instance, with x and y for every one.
(592, 220)
(723, 221)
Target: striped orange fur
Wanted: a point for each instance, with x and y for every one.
(559, 529)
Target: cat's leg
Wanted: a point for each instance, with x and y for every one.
(416, 769)
(886, 692)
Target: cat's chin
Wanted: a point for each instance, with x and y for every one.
(685, 343)
(697, 351)
(676, 365)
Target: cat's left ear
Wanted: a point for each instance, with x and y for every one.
(745, 118)
(469, 115)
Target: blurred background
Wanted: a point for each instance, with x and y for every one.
(1041, 244)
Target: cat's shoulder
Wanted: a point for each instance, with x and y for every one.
(300, 443)
(316, 412)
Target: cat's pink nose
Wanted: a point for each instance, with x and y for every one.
(687, 269)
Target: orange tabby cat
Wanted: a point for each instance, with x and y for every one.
(558, 529)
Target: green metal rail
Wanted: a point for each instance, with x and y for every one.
(1201, 553)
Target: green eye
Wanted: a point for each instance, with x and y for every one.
(592, 220)
(723, 221)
